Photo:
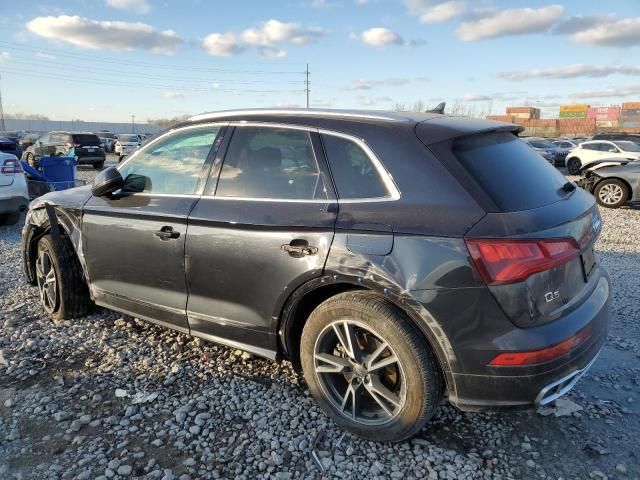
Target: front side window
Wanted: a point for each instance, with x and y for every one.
(171, 165)
(270, 163)
(353, 171)
(628, 146)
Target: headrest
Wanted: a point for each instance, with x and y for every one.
(266, 157)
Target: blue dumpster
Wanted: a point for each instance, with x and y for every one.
(60, 171)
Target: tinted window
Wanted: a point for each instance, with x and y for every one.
(510, 172)
(171, 165)
(353, 171)
(86, 139)
(277, 163)
(128, 138)
(591, 146)
(628, 146)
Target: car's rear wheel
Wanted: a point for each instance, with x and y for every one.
(9, 218)
(369, 367)
(63, 291)
(611, 193)
(573, 165)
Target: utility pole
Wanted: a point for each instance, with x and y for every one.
(306, 84)
(1, 109)
(133, 124)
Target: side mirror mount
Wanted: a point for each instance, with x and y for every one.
(107, 181)
(613, 150)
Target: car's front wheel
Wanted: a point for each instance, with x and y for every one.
(369, 368)
(611, 193)
(63, 291)
(573, 165)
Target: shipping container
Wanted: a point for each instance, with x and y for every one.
(531, 112)
(501, 118)
(606, 123)
(574, 108)
(603, 113)
(630, 105)
(574, 114)
(630, 124)
(630, 112)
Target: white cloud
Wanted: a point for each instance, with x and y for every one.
(46, 56)
(136, 6)
(362, 84)
(515, 21)
(431, 11)
(371, 101)
(612, 33)
(273, 32)
(612, 92)
(381, 37)
(360, 2)
(270, 52)
(172, 95)
(5, 57)
(221, 44)
(94, 34)
(267, 38)
(476, 97)
(570, 71)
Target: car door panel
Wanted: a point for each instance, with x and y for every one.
(141, 230)
(137, 271)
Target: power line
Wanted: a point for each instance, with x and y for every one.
(95, 58)
(306, 84)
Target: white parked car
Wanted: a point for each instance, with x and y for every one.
(543, 147)
(14, 194)
(597, 150)
(127, 143)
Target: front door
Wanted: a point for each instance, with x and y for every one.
(134, 240)
(264, 229)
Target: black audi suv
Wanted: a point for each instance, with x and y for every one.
(394, 258)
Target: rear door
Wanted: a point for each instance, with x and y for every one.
(263, 227)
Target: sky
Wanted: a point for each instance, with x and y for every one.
(105, 60)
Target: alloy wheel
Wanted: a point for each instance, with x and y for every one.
(610, 194)
(359, 373)
(47, 282)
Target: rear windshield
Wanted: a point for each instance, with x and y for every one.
(86, 139)
(128, 138)
(514, 175)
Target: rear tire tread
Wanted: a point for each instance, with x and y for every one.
(425, 361)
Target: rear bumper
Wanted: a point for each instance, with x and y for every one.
(13, 204)
(540, 384)
(90, 160)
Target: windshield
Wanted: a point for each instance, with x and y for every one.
(628, 146)
(541, 144)
(128, 138)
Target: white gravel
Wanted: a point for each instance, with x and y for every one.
(107, 396)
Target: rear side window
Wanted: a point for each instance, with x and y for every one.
(271, 163)
(354, 173)
(86, 139)
(509, 171)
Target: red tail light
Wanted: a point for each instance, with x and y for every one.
(501, 261)
(515, 359)
(11, 166)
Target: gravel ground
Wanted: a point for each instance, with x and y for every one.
(108, 396)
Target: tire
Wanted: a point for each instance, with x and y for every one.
(98, 165)
(69, 297)
(9, 218)
(573, 165)
(611, 193)
(413, 379)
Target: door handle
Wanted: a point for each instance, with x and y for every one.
(167, 232)
(299, 248)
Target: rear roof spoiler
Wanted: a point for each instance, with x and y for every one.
(437, 109)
